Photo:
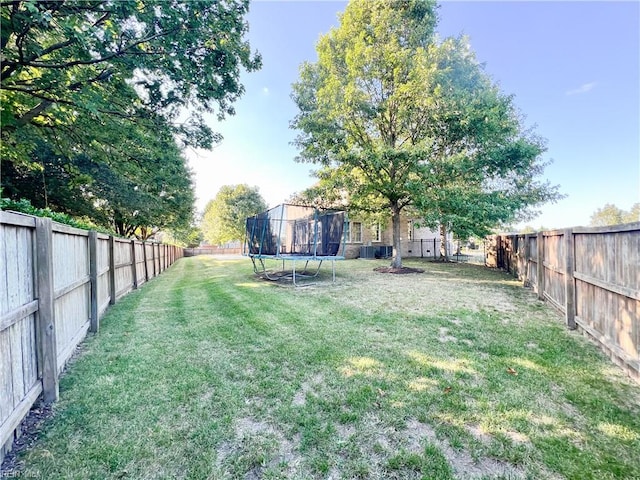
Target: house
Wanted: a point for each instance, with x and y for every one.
(371, 241)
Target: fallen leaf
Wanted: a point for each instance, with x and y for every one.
(511, 371)
(447, 390)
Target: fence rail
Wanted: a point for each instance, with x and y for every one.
(592, 275)
(55, 284)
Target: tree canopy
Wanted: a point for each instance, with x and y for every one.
(610, 214)
(154, 191)
(225, 216)
(121, 59)
(95, 96)
(402, 121)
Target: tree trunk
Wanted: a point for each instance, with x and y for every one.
(444, 252)
(397, 244)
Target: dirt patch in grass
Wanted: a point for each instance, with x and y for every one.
(460, 460)
(398, 271)
(30, 427)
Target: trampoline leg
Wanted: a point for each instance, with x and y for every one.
(294, 273)
(333, 270)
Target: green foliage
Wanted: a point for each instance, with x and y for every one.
(612, 215)
(188, 237)
(124, 59)
(399, 120)
(93, 102)
(224, 218)
(151, 191)
(24, 206)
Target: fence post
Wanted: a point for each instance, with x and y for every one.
(93, 275)
(540, 272)
(46, 310)
(570, 282)
(134, 265)
(153, 258)
(144, 257)
(112, 270)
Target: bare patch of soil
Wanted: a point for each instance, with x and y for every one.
(398, 271)
(462, 462)
(30, 428)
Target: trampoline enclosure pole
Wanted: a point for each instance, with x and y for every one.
(315, 232)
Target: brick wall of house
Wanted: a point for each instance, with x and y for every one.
(416, 242)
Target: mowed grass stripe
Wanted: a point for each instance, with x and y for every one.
(208, 372)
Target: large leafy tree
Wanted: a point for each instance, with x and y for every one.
(402, 121)
(93, 98)
(119, 59)
(483, 165)
(225, 216)
(151, 192)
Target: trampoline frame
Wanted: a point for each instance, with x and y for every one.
(258, 258)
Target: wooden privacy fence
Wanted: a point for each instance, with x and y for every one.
(592, 275)
(55, 284)
(212, 250)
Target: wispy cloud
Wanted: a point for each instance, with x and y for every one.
(265, 91)
(587, 87)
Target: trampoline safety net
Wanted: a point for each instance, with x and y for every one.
(288, 231)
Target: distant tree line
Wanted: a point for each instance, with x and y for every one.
(613, 215)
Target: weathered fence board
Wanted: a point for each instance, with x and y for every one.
(18, 304)
(140, 263)
(53, 280)
(72, 289)
(104, 296)
(123, 267)
(592, 275)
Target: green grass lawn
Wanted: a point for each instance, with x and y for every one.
(208, 372)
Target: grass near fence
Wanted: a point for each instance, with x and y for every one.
(458, 372)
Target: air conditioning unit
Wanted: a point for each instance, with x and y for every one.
(384, 251)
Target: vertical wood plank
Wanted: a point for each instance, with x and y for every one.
(569, 281)
(112, 270)
(6, 387)
(93, 275)
(17, 372)
(46, 312)
(4, 277)
(540, 269)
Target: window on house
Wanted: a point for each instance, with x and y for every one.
(354, 232)
(376, 233)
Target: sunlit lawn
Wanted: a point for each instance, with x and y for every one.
(208, 372)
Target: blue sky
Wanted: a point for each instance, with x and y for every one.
(573, 67)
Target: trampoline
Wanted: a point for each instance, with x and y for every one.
(297, 234)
